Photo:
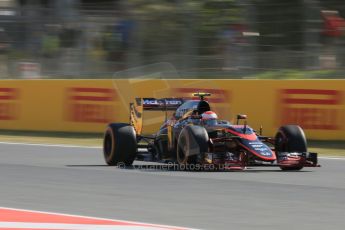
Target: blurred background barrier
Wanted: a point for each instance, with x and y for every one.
(202, 38)
(88, 105)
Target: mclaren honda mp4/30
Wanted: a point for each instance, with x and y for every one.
(195, 135)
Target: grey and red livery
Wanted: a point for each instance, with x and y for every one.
(186, 139)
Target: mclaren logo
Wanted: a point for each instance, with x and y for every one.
(150, 102)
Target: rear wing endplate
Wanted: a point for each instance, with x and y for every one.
(153, 104)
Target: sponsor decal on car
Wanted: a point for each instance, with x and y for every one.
(150, 101)
(260, 147)
(162, 104)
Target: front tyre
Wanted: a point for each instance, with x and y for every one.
(290, 139)
(192, 144)
(119, 144)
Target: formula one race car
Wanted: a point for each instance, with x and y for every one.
(195, 136)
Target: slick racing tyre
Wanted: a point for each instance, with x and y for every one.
(120, 144)
(192, 144)
(289, 139)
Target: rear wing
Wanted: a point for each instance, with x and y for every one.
(140, 104)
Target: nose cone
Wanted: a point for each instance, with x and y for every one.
(259, 149)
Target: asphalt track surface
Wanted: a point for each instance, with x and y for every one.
(76, 181)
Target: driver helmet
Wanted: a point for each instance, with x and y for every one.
(209, 115)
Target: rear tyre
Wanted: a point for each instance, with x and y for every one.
(120, 144)
(192, 145)
(289, 139)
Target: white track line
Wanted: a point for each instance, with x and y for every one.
(99, 147)
(50, 145)
(52, 226)
(333, 158)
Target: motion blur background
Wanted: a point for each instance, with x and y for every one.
(201, 38)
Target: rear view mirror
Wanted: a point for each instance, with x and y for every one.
(241, 117)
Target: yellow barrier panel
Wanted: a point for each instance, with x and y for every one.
(88, 105)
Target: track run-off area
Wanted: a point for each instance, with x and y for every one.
(75, 180)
